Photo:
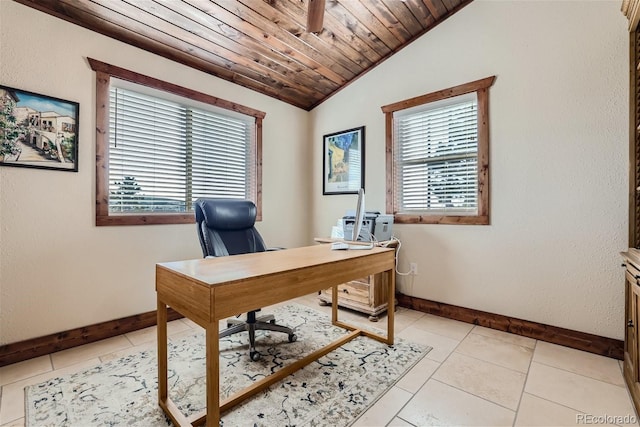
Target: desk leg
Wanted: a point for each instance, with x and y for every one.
(391, 306)
(334, 304)
(162, 352)
(213, 374)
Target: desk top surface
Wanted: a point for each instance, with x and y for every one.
(385, 243)
(213, 271)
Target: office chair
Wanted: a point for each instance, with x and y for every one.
(226, 227)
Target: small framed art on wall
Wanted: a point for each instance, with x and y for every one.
(343, 168)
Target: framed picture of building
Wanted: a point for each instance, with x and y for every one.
(343, 167)
(38, 131)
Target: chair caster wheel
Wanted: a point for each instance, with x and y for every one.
(254, 355)
(293, 338)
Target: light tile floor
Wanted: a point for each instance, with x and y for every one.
(474, 376)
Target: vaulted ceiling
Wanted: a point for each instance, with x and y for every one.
(263, 45)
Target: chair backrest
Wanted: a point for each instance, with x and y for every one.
(226, 227)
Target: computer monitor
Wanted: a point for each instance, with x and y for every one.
(357, 225)
(351, 241)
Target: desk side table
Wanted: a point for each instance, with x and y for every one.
(368, 294)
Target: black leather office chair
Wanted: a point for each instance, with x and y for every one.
(226, 227)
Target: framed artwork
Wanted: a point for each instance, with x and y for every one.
(38, 131)
(343, 168)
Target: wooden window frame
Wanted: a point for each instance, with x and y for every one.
(104, 73)
(481, 87)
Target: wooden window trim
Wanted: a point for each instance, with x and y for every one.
(104, 72)
(481, 87)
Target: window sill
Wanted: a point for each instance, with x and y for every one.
(441, 219)
(148, 219)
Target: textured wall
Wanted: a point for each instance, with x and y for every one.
(559, 160)
(57, 270)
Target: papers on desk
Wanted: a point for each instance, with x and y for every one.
(337, 231)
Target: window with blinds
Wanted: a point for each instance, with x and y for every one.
(161, 146)
(164, 154)
(436, 157)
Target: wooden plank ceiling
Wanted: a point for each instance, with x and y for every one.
(263, 44)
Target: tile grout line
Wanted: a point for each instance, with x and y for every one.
(475, 395)
(495, 364)
(526, 380)
(30, 376)
(581, 375)
(432, 374)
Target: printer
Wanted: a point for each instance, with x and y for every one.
(383, 228)
(373, 224)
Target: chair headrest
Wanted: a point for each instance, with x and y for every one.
(226, 214)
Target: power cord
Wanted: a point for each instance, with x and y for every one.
(395, 239)
(402, 286)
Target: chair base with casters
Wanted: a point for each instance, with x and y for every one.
(226, 227)
(255, 323)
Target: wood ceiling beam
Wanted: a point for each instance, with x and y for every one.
(315, 16)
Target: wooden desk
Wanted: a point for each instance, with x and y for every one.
(207, 290)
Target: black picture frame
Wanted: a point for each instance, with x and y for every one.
(343, 161)
(38, 131)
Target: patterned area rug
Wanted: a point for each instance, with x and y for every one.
(333, 391)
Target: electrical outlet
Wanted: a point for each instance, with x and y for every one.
(413, 268)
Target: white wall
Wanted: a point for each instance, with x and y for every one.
(57, 269)
(559, 160)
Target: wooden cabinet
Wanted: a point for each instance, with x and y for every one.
(368, 295)
(632, 324)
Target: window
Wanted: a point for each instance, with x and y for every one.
(166, 146)
(438, 156)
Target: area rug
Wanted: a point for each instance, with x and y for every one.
(333, 391)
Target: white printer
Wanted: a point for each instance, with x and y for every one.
(373, 223)
(383, 229)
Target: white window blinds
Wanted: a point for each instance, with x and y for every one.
(165, 154)
(436, 157)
